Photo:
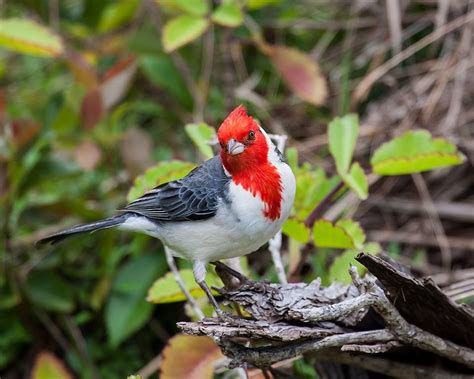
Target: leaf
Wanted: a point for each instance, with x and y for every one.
(92, 109)
(193, 7)
(136, 149)
(228, 13)
(48, 290)
(344, 234)
(414, 151)
(339, 269)
(357, 181)
(24, 130)
(82, 70)
(201, 134)
(116, 14)
(301, 73)
(48, 366)
(190, 357)
(126, 310)
(258, 4)
(29, 37)
(163, 172)
(297, 230)
(88, 155)
(166, 290)
(354, 230)
(181, 30)
(117, 81)
(343, 132)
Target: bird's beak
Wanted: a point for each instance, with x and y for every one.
(234, 147)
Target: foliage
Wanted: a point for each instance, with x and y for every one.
(105, 97)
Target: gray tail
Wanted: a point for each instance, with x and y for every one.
(84, 228)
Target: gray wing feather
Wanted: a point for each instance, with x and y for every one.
(194, 197)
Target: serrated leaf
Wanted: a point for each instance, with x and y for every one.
(190, 357)
(343, 132)
(194, 7)
(357, 181)
(29, 37)
(161, 173)
(345, 234)
(297, 230)
(166, 290)
(354, 230)
(412, 152)
(228, 13)
(181, 30)
(48, 366)
(201, 134)
(300, 72)
(339, 269)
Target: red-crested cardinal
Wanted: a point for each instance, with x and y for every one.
(228, 207)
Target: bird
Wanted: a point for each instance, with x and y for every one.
(227, 207)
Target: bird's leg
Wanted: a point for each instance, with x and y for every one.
(221, 266)
(199, 271)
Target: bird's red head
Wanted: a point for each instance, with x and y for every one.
(243, 144)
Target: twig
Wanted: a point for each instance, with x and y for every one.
(440, 234)
(395, 24)
(180, 282)
(364, 86)
(318, 211)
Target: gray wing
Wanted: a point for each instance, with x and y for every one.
(194, 197)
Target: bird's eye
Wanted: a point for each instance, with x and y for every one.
(251, 135)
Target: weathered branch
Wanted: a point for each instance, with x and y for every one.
(299, 318)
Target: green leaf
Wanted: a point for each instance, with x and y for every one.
(339, 269)
(344, 234)
(292, 158)
(201, 134)
(258, 4)
(297, 230)
(414, 151)
(49, 291)
(357, 181)
(193, 7)
(354, 230)
(343, 133)
(48, 366)
(116, 14)
(29, 37)
(126, 310)
(181, 30)
(166, 290)
(228, 13)
(163, 172)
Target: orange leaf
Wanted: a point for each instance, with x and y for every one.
(24, 130)
(190, 357)
(300, 72)
(48, 366)
(91, 108)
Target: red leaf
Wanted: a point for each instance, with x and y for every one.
(92, 108)
(23, 131)
(190, 357)
(116, 82)
(300, 72)
(82, 70)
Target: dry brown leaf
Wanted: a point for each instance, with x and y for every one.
(92, 108)
(136, 149)
(190, 357)
(116, 81)
(88, 155)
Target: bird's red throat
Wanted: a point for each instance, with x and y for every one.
(258, 176)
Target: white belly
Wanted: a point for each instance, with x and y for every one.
(237, 229)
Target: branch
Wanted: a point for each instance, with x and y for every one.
(299, 318)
